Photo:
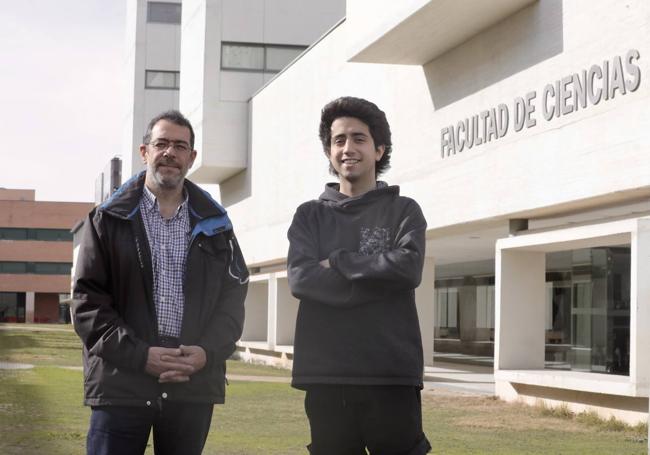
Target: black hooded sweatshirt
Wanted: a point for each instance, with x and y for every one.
(357, 321)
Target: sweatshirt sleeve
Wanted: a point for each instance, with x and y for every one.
(309, 280)
(96, 321)
(399, 268)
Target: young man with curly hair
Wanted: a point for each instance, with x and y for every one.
(355, 258)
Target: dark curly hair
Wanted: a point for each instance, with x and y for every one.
(368, 113)
(172, 116)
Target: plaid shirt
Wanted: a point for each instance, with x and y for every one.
(168, 240)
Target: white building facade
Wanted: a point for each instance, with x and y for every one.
(521, 127)
(225, 50)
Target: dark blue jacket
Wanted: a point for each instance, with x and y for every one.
(114, 312)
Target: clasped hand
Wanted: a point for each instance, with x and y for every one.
(175, 364)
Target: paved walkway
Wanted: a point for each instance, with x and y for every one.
(15, 366)
(242, 377)
(472, 379)
(36, 327)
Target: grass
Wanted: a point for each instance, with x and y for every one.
(249, 369)
(40, 344)
(41, 412)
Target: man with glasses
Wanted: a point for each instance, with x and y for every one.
(159, 293)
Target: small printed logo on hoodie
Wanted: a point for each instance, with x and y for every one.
(374, 240)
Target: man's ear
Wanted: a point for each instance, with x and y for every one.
(193, 154)
(379, 152)
(143, 153)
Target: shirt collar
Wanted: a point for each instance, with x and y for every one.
(151, 202)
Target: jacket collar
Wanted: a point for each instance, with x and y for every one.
(333, 195)
(125, 202)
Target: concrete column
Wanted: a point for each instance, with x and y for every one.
(520, 311)
(640, 303)
(287, 311)
(30, 298)
(467, 312)
(640, 306)
(256, 312)
(425, 303)
(272, 321)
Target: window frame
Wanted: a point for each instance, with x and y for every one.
(177, 80)
(166, 4)
(32, 267)
(265, 47)
(35, 234)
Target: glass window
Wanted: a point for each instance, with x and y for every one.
(588, 304)
(162, 79)
(64, 268)
(279, 57)
(257, 57)
(13, 267)
(50, 235)
(51, 268)
(162, 12)
(40, 268)
(485, 307)
(242, 56)
(447, 312)
(13, 234)
(12, 307)
(46, 268)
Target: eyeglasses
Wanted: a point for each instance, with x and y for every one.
(162, 145)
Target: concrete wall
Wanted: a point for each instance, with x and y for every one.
(216, 100)
(287, 313)
(520, 312)
(425, 302)
(542, 169)
(255, 323)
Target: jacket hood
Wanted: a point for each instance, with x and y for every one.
(332, 195)
(125, 202)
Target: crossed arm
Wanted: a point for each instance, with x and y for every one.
(347, 278)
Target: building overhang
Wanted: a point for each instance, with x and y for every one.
(575, 380)
(213, 174)
(416, 32)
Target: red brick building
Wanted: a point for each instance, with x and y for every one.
(35, 255)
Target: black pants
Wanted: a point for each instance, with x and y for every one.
(345, 420)
(178, 429)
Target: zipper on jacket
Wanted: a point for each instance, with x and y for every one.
(147, 275)
(139, 251)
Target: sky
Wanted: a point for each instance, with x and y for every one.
(62, 94)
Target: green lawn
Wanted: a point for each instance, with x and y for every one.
(41, 412)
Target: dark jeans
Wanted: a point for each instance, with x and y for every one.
(178, 428)
(345, 420)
